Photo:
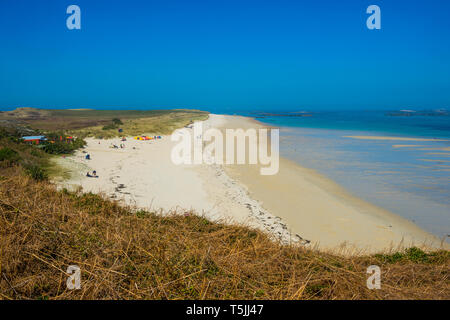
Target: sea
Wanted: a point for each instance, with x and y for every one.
(409, 178)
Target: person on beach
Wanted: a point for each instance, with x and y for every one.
(93, 175)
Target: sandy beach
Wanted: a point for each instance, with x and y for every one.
(393, 138)
(297, 205)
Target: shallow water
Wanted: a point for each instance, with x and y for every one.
(409, 178)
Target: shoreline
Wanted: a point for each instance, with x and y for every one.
(297, 205)
(322, 211)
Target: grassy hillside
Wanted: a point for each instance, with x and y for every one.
(100, 122)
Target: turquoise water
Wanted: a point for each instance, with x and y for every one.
(409, 178)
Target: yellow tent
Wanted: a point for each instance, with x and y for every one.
(142, 138)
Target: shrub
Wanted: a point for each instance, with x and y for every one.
(3, 133)
(36, 153)
(109, 127)
(412, 254)
(9, 155)
(36, 172)
(62, 147)
(416, 255)
(117, 121)
(57, 148)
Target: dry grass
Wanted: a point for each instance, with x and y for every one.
(128, 254)
(161, 124)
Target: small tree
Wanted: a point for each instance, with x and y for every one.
(117, 121)
(9, 156)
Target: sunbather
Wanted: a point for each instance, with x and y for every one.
(93, 175)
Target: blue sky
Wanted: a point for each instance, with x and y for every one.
(225, 55)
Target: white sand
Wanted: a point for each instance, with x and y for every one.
(296, 205)
(392, 138)
(407, 145)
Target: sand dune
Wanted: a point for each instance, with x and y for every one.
(406, 145)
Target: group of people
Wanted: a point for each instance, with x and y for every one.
(88, 157)
(94, 173)
(114, 146)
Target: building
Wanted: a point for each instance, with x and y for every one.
(34, 139)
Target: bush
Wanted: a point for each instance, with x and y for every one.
(9, 155)
(57, 148)
(3, 133)
(36, 153)
(416, 255)
(109, 127)
(62, 147)
(36, 172)
(412, 254)
(117, 121)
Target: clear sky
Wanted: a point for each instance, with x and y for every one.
(225, 55)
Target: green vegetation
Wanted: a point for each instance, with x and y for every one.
(3, 133)
(117, 121)
(8, 155)
(14, 153)
(57, 146)
(413, 255)
(36, 172)
(109, 127)
(34, 159)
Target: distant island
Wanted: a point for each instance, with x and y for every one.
(298, 114)
(411, 113)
